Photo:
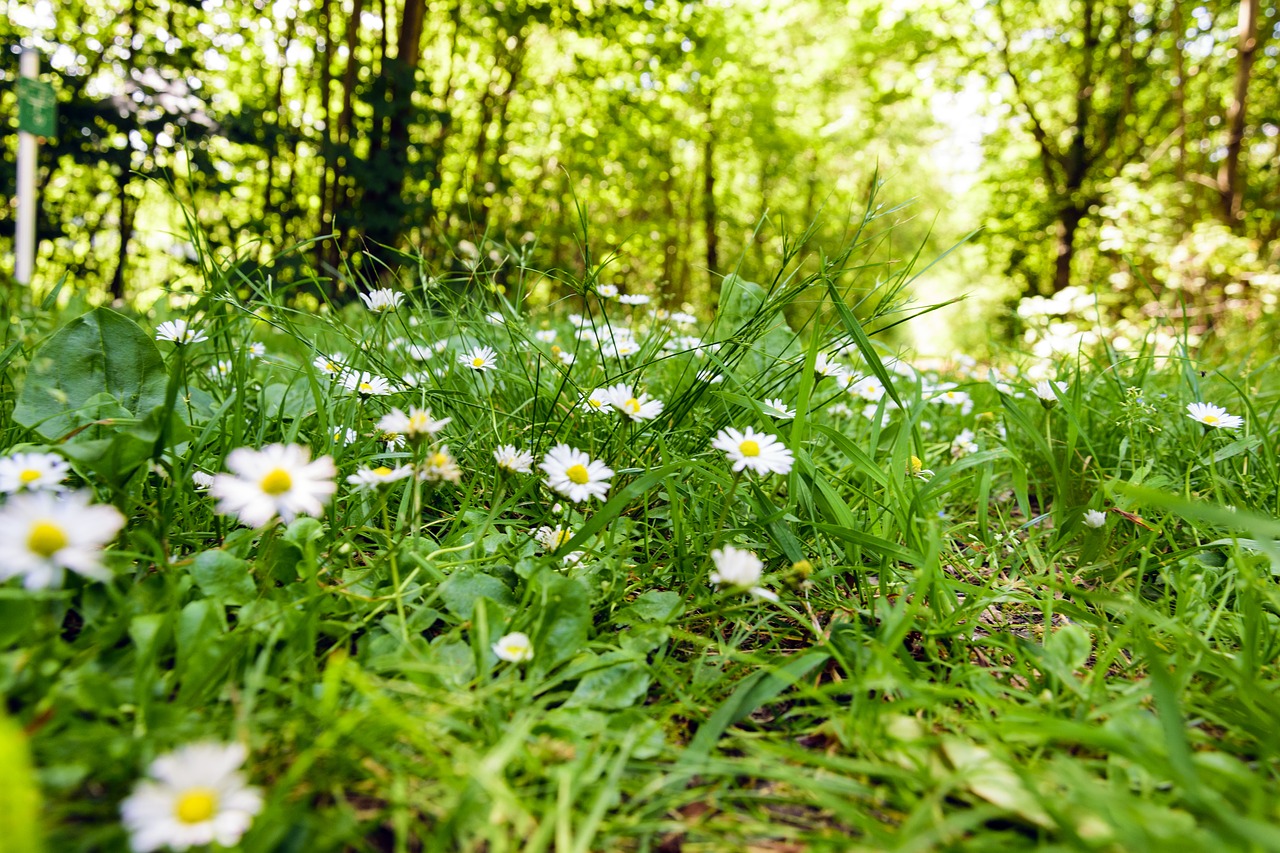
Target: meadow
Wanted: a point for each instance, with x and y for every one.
(455, 566)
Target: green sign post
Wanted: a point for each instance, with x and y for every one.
(37, 107)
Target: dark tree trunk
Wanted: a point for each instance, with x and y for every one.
(1230, 179)
(128, 209)
(709, 213)
(1068, 224)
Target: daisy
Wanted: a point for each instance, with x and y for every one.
(32, 471)
(279, 480)
(329, 364)
(440, 467)
(964, 444)
(952, 397)
(368, 479)
(366, 384)
(220, 369)
(1213, 416)
(512, 460)
(382, 300)
(179, 332)
(736, 567)
(551, 538)
(256, 349)
(201, 480)
(418, 352)
(637, 408)
(546, 336)
(1094, 518)
(194, 796)
(760, 452)
(42, 534)
(416, 425)
(868, 388)
(575, 475)
(775, 408)
(681, 318)
(608, 291)
(566, 358)
(596, 401)
(634, 299)
(1044, 391)
(345, 436)
(839, 410)
(824, 366)
(514, 647)
(480, 359)
(709, 376)
(495, 317)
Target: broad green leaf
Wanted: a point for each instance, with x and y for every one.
(222, 576)
(615, 686)
(461, 591)
(99, 353)
(566, 618)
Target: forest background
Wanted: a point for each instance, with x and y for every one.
(1123, 151)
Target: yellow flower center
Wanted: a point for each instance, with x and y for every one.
(749, 448)
(196, 805)
(1210, 419)
(46, 539)
(556, 350)
(632, 406)
(276, 482)
(382, 470)
(577, 474)
(366, 388)
(477, 362)
(417, 423)
(29, 476)
(330, 367)
(594, 403)
(916, 465)
(438, 460)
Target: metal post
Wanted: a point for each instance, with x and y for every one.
(25, 245)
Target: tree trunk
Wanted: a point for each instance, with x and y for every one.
(127, 211)
(1230, 179)
(709, 213)
(1068, 223)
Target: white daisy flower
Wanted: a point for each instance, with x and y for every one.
(596, 401)
(220, 368)
(382, 300)
(416, 425)
(775, 408)
(575, 475)
(964, 443)
(329, 364)
(368, 479)
(1044, 391)
(366, 384)
(440, 467)
(179, 332)
(953, 397)
(278, 480)
(514, 648)
(257, 349)
(512, 460)
(736, 567)
(43, 533)
(868, 388)
(577, 320)
(32, 471)
(551, 538)
(345, 435)
(1094, 518)
(566, 358)
(201, 480)
(546, 336)
(709, 376)
(825, 366)
(195, 796)
(608, 291)
(634, 299)
(682, 318)
(419, 352)
(760, 452)
(495, 317)
(839, 410)
(1213, 416)
(480, 359)
(637, 408)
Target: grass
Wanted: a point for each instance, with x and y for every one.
(956, 661)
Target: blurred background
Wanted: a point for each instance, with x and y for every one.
(1117, 158)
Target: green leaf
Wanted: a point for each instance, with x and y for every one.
(653, 606)
(461, 591)
(616, 686)
(222, 576)
(565, 605)
(99, 353)
(1070, 646)
(19, 794)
